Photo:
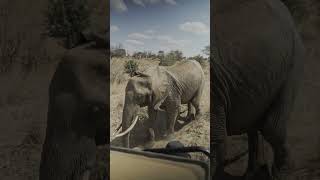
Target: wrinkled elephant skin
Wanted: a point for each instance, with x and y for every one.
(256, 67)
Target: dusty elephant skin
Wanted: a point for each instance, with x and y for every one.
(163, 89)
(255, 75)
(76, 119)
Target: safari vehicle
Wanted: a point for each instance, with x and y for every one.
(170, 163)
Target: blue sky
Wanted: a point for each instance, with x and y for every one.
(153, 25)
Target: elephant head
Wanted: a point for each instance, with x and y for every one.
(144, 89)
(77, 115)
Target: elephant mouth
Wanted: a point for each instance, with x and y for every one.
(117, 133)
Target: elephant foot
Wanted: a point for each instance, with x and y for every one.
(152, 135)
(198, 115)
(150, 144)
(151, 141)
(191, 117)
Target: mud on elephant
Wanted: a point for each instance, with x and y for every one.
(256, 72)
(162, 89)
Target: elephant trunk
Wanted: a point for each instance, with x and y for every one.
(129, 112)
(59, 155)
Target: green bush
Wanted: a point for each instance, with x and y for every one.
(130, 67)
(67, 19)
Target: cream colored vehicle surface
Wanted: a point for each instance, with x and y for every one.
(128, 164)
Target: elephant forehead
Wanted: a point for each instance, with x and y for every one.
(88, 70)
(137, 82)
(139, 85)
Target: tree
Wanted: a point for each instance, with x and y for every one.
(67, 19)
(160, 55)
(200, 59)
(118, 53)
(119, 46)
(178, 55)
(206, 50)
(171, 57)
(137, 55)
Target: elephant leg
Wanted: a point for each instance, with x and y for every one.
(275, 132)
(191, 112)
(218, 132)
(196, 103)
(151, 141)
(173, 112)
(152, 125)
(255, 154)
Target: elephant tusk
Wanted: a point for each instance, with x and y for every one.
(157, 108)
(183, 111)
(129, 129)
(117, 130)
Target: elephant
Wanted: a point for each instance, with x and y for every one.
(163, 89)
(257, 65)
(77, 115)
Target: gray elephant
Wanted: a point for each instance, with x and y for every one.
(163, 89)
(256, 70)
(77, 115)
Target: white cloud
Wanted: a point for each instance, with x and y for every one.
(150, 31)
(114, 28)
(168, 41)
(139, 36)
(171, 2)
(144, 2)
(134, 42)
(152, 1)
(194, 27)
(118, 5)
(139, 2)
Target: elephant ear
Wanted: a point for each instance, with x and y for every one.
(160, 86)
